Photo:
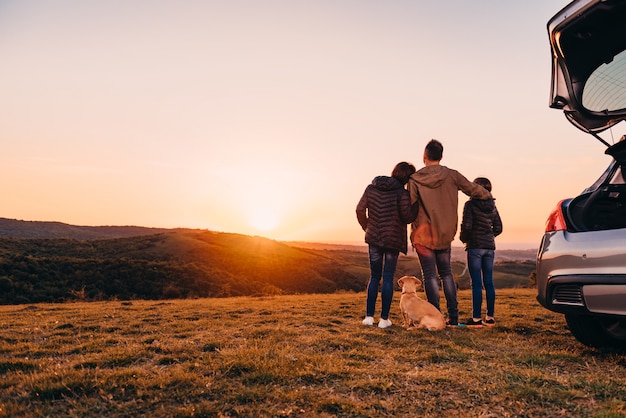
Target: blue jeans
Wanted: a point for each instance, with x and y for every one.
(480, 266)
(382, 264)
(436, 265)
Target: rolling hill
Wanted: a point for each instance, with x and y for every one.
(38, 229)
(55, 262)
(174, 264)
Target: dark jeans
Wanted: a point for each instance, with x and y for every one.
(480, 266)
(382, 264)
(436, 265)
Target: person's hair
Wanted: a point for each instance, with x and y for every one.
(434, 150)
(483, 181)
(402, 171)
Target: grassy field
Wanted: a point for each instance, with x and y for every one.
(296, 355)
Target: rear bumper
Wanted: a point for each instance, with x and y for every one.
(585, 295)
(583, 273)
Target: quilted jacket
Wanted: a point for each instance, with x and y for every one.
(384, 212)
(481, 224)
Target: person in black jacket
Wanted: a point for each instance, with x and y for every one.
(481, 224)
(384, 212)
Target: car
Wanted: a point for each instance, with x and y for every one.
(581, 260)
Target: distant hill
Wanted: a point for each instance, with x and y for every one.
(56, 262)
(38, 229)
(173, 264)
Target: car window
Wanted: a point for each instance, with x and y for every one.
(602, 179)
(605, 89)
(618, 177)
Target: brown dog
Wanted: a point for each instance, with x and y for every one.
(416, 310)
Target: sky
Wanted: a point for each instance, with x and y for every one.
(271, 117)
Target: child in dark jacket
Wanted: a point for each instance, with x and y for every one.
(481, 224)
(384, 212)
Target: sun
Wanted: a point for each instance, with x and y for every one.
(264, 219)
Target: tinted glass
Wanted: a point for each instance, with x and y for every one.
(602, 178)
(605, 89)
(618, 177)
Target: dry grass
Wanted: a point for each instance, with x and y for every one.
(302, 355)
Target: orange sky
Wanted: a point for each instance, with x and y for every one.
(270, 118)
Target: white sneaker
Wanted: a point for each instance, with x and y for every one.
(369, 320)
(384, 323)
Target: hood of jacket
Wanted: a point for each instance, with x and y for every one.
(486, 206)
(431, 176)
(385, 183)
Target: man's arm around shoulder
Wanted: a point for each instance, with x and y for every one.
(472, 189)
(413, 192)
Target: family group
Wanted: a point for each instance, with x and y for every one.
(428, 200)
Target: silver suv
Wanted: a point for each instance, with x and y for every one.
(581, 262)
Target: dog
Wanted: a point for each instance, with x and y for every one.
(416, 310)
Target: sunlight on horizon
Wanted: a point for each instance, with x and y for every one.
(264, 219)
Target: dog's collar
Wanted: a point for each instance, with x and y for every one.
(407, 293)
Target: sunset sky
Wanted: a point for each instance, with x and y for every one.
(271, 117)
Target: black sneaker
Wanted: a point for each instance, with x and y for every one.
(452, 323)
(474, 324)
(490, 322)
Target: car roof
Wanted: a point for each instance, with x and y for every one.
(587, 40)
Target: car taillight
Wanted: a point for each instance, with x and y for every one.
(556, 220)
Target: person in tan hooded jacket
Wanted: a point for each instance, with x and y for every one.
(436, 190)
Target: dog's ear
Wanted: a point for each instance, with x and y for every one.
(401, 281)
(417, 281)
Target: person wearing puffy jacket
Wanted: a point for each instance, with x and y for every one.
(383, 212)
(480, 225)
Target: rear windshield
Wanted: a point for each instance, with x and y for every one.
(605, 89)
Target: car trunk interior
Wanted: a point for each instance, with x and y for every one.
(605, 207)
